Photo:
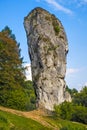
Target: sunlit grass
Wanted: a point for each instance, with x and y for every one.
(13, 122)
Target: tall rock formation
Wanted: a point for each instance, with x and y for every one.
(48, 48)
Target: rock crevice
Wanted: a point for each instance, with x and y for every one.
(48, 48)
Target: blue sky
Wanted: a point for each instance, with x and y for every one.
(72, 14)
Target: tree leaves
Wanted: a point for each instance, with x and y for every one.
(13, 87)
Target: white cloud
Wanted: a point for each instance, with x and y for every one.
(71, 71)
(85, 84)
(85, 1)
(58, 6)
(81, 3)
(28, 73)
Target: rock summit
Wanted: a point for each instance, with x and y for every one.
(47, 43)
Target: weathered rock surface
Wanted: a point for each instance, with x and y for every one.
(48, 48)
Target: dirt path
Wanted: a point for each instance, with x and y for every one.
(36, 115)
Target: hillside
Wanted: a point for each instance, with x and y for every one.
(35, 120)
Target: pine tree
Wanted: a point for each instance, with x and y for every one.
(12, 76)
(15, 92)
(11, 70)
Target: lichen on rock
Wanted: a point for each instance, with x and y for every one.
(48, 48)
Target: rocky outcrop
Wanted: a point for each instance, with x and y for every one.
(48, 48)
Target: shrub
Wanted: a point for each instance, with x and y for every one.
(64, 128)
(55, 25)
(57, 29)
(16, 99)
(70, 111)
(81, 97)
(79, 114)
(19, 98)
(64, 110)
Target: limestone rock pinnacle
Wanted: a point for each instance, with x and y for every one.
(48, 48)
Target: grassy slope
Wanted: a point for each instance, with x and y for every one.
(9, 121)
(66, 125)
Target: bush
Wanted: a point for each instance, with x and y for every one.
(57, 29)
(79, 114)
(64, 128)
(19, 98)
(81, 97)
(70, 111)
(16, 99)
(64, 110)
(56, 25)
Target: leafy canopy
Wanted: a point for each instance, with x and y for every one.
(14, 90)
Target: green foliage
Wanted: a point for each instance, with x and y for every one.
(16, 99)
(64, 128)
(15, 92)
(79, 114)
(72, 92)
(55, 25)
(11, 70)
(21, 99)
(81, 97)
(64, 110)
(70, 111)
(57, 29)
(29, 90)
(8, 32)
(75, 111)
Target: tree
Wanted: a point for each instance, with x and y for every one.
(81, 97)
(72, 92)
(12, 78)
(15, 91)
(29, 89)
(64, 110)
(79, 114)
(71, 111)
(11, 69)
(8, 32)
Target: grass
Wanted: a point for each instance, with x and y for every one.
(10, 121)
(13, 122)
(66, 125)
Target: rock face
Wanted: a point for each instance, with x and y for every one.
(48, 47)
